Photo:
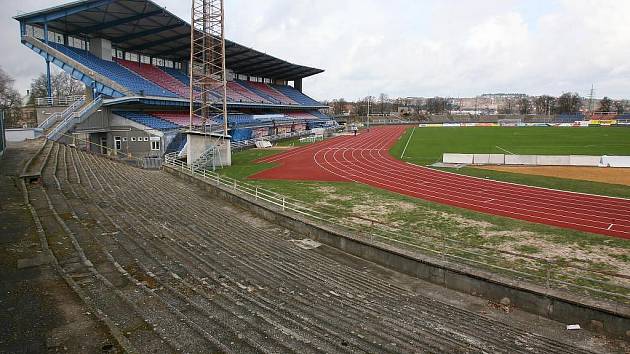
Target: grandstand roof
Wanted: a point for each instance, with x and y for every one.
(145, 27)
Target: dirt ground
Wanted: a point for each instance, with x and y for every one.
(594, 174)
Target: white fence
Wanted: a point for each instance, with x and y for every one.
(58, 101)
(537, 160)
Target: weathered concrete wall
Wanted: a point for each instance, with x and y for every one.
(554, 304)
(21, 134)
(101, 48)
(198, 143)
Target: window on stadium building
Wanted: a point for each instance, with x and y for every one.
(76, 43)
(131, 56)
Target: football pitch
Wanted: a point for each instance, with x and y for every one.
(425, 146)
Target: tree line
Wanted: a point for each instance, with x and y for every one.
(12, 102)
(567, 103)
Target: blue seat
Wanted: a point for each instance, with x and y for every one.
(178, 74)
(296, 95)
(320, 115)
(114, 71)
(147, 120)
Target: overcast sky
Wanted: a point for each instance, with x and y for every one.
(411, 47)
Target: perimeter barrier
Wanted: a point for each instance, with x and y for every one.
(537, 160)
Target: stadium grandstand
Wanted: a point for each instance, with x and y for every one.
(133, 57)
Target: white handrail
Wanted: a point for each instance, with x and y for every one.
(58, 101)
(62, 115)
(73, 115)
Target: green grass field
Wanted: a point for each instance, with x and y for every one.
(427, 145)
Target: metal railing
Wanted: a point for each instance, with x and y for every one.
(60, 116)
(58, 101)
(531, 269)
(74, 117)
(238, 145)
(283, 202)
(208, 157)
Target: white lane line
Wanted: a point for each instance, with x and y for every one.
(499, 209)
(610, 227)
(408, 140)
(500, 148)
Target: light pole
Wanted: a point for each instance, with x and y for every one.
(369, 98)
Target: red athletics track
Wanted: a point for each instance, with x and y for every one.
(365, 159)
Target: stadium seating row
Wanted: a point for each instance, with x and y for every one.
(568, 118)
(157, 76)
(128, 79)
(148, 120)
(149, 80)
(165, 120)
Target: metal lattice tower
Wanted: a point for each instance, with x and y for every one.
(208, 77)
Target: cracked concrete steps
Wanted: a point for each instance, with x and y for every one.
(163, 261)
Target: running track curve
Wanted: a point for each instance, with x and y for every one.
(365, 159)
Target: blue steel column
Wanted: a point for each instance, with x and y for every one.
(48, 80)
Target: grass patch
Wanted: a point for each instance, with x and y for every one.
(528, 249)
(427, 145)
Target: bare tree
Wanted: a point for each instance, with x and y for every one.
(568, 103)
(544, 104)
(524, 106)
(619, 107)
(10, 100)
(63, 85)
(339, 105)
(436, 105)
(382, 99)
(507, 107)
(606, 104)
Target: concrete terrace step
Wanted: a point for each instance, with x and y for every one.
(178, 271)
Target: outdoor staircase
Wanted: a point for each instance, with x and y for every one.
(73, 116)
(61, 116)
(211, 157)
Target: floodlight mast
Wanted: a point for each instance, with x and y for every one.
(208, 75)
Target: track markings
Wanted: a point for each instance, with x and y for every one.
(408, 140)
(504, 150)
(367, 161)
